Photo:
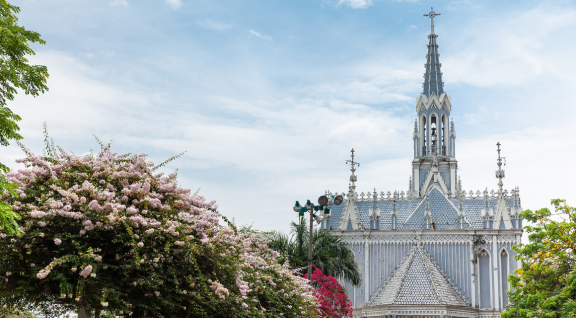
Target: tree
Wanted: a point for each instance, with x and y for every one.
(15, 73)
(106, 233)
(334, 303)
(330, 253)
(546, 284)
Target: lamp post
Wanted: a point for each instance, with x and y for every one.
(323, 205)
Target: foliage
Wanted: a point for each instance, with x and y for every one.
(330, 253)
(546, 283)
(7, 216)
(334, 302)
(105, 232)
(15, 73)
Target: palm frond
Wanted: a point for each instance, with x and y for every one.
(330, 253)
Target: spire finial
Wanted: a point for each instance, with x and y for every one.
(352, 162)
(353, 177)
(432, 15)
(500, 172)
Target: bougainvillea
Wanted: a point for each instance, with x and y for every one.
(106, 233)
(334, 302)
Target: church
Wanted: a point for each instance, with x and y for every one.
(434, 250)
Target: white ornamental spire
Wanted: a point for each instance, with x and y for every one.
(353, 177)
(500, 172)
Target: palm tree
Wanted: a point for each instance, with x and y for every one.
(330, 253)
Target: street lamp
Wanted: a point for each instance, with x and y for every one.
(323, 205)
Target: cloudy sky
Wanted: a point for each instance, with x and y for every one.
(268, 96)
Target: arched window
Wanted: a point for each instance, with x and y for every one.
(433, 133)
(444, 134)
(504, 271)
(485, 280)
(423, 137)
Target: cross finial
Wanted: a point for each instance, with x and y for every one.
(352, 162)
(432, 15)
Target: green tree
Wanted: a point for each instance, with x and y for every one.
(546, 284)
(105, 232)
(15, 73)
(330, 253)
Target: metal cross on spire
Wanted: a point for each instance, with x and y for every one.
(352, 162)
(432, 15)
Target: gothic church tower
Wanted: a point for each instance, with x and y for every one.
(433, 136)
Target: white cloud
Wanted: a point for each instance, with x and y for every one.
(212, 25)
(512, 51)
(355, 4)
(175, 4)
(119, 2)
(256, 34)
(411, 27)
(271, 140)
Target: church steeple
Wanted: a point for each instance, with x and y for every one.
(434, 137)
(433, 76)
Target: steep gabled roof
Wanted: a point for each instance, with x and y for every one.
(418, 281)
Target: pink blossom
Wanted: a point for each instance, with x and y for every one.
(95, 206)
(86, 271)
(57, 241)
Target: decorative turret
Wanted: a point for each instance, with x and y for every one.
(374, 213)
(501, 213)
(350, 220)
(353, 178)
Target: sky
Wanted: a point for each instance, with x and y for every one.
(267, 97)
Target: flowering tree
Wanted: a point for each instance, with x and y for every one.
(105, 233)
(546, 284)
(334, 302)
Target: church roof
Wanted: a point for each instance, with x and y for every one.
(410, 211)
(418, 281)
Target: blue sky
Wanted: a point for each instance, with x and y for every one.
(268, 97)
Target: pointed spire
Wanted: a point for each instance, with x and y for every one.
(374, 198)
(500, 172)
(353, 177)
(433, 76)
